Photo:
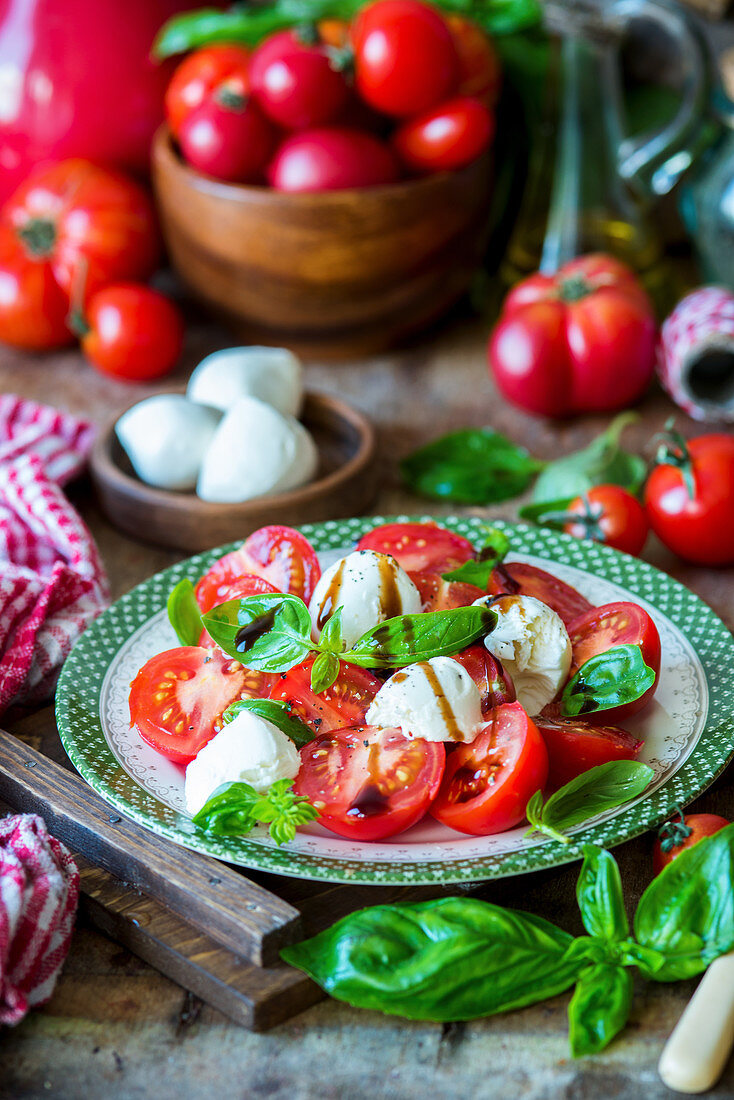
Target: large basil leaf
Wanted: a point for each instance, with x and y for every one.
(599, 1008)
(599, 894)
(603, 462)
(478, 570)
(610, 679)
(593, 792)
(449, 959)
(409, 638)
(473, 466)
(277, 713)
(687, 911)
(184, 613)
(229, 810)
(270, 633)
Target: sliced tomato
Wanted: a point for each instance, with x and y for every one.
(611, 625)
(440, 595)
(419, 547)
(345, 703)
(518, 577)
(369, 783)
(223, 582)
(574, 747)
(494, 683)
(177, 699)
(279, 556)
(487, 784)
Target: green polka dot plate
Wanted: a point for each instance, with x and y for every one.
(688, 728)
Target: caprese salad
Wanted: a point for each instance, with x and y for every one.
(418, 674)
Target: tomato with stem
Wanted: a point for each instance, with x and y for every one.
(681, 832)
(203, 74)
(608, 514)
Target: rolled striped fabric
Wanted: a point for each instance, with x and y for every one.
(695, 355)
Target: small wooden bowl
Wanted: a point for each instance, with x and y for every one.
(346, 484)
(332, 273)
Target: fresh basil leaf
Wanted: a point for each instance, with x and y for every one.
(473, 466)
(587, 795)
(447, 959)
(599, 894)
(184, 613)
(548, 513)
(270, 633)
(283, 810)
(324, 672)
(332, 638)
(599, 1008)
(277, 713)
(603, 462)
(687, 911)
(647, 960)
(479, 569)
(609, 679)
(409, 638)
(229, 811)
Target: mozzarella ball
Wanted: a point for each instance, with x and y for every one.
(273, 375)
(165, 437)
(436, 700)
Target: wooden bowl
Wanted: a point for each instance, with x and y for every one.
(345, 484)
(332, 273)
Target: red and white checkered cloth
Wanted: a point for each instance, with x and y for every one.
(52, 583)
(39, 891)
(702, 322)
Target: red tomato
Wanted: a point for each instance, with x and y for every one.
(299, 84)
(33, 307)
(230, 140)
(675, 835)
(494, 683)
(574, 747)
(611, 625)
(480, 72)
(220, 584)
(201, 75)
(518, 578)
(446, 137)
(581, 340)
(369, 783)
(440, 595)
(611, 515)
(279, 555)
(487, 784)
(699, 528)
(405, 57)
(333, 158)
(93, 226)
(345, 703)
(132, 332)
(419, 547)
(178, 697)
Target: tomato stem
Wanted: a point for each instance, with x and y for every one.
(39, 237)
(673, 451)
(231, 99)
(574, 289)
(673, 834)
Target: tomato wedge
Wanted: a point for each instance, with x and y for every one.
(574, 747)
(177, 699)
(345, 703)
(487, 784)
(279, 555)
(494, 683)
(419, 547)
(610, 625)
(518, 577)
(369, 783)
(440, 595)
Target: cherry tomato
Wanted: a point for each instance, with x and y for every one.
(345, 703)
(405, 57)
(93, 226)
(299, 84)
(487, 784)
(446, 137)
(201, 75)
(231, 140)
(683, 832)
(33, 307)
(369, 783)
(574, 747)
(494, 683)
(440, 595)
(178, 697)
(611, 625)
(699, 527)
(419, 547)
(279, 555)
(611, 515)
(480, 72)
(132, 332)
(333, 158)
(516, 577)
(580, 340)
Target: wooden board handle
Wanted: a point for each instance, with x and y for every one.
(696, 1053)
(219, 901)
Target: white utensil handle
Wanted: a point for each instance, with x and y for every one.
(696, 1053)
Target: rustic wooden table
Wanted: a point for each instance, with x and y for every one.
(116, 1027)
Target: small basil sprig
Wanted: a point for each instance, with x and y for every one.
(236, 808)
(593, 792)
(184, 613)
(277, 713)
(610, 679)
(479, 569)
(602, 462)
(474, 466)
